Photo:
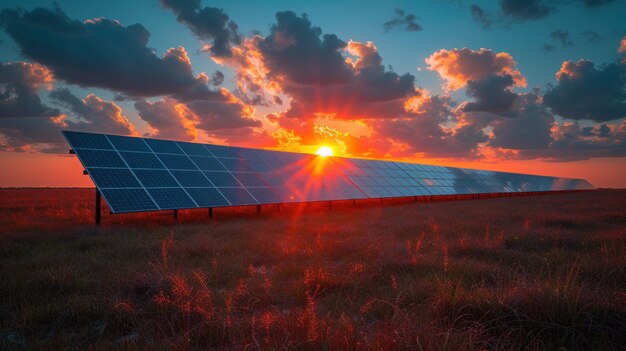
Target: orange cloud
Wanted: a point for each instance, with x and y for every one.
(457, 67)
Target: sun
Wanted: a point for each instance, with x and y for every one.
(324, 151)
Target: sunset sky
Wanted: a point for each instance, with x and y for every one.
(535, 86)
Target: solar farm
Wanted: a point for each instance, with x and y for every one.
(142, 174)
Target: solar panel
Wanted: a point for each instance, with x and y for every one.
(142, 174)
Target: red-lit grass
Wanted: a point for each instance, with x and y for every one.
(509, 273)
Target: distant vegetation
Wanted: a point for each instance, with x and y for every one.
(535, 273)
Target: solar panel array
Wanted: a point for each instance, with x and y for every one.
(142, 174)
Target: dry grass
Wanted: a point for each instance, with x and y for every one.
(535, 273)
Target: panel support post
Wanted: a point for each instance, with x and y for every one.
(258, 209)
(381, 200)
(354, 203)
(175, 214)
(330, 205)
(98, 203)
(210, 212)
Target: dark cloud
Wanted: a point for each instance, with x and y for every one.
(596, 3)
(458, 66)
(571, 142)
(19, 83)
(93, 113)
(510, 11)
(312, 71)
(213, 116)
(526, 10)
(295, 51)
(402, 21)
(529, 128)
(601, 131)
(548, 47)
(584, 91)
(102, 53)
(207, 23)
(562, 37)
(217, 78)
(481, 16)
(32, 134)
(44, 134)
(424, 133)
(492, 94)
(590, 36)
(171, 119)
(166, 119)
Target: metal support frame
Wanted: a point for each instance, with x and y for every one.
(258, 209)
(330, 205)
(210, 212)
(175, 214)
(98, 206)
(354, 203)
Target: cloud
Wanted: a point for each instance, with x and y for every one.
(296, 60)
(207, 23)
(481, 16)
(171, 119)
(19, 83)
(526, 10)
(216, 116)
(402, 21)
(167, 118)
(528, 128)
(492, 94)
(217, 78)
(458, 66)
(584, 91)
(43, 134)
(102, 53)
(562, 37)
(520, 11)
(590, 36)
(94, 114)
(32, 135)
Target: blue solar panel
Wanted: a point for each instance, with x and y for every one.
(113, 178)
(222, 179)
(87, 140)
(265, 195)
(128, 200)
(101, 158)
(128, 144)
(240, 176)
(208, 197)
(238, 196)
(176, 161)
(191, 179)
(163, 146)
(207, 163)
(141, 160)
(155, 178)
(171, 198)
(235, 165)
(222, 151)
(250, 179)
(193, 149)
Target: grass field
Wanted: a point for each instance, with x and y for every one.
(537, 273)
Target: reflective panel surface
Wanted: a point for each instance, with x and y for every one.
(141, 174)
